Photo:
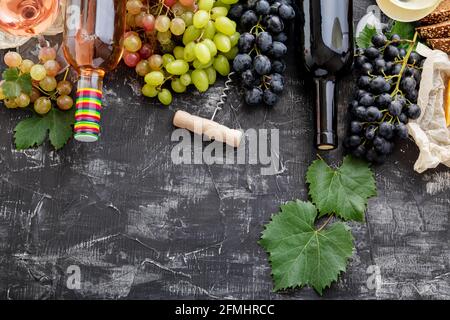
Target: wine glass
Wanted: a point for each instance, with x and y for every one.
(27, 18)
(20, 20)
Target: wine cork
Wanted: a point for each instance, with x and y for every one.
(209, 128)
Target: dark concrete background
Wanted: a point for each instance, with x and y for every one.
(140, 227)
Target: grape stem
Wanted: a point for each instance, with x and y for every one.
(66, 73)
(405, 63)
(256, 27)
(42, 91)
(325, 224)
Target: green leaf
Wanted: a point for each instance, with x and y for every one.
(10, 74)
(30, 132)
(302, 255)
(60, 126)
(33, 131)
(405, 30)
(364, 39)
(11, 89)
(15, 84)
(25, 83)
(343, 191)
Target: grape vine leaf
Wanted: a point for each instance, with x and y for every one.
(15, 83)
(25, 83)
(33, 131)
(405, 30)
(11, 89)
(364, 39)
(10, 74)
(302, 255)
(344, 190)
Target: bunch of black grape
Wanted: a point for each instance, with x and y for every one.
(262, 47)
(386, 97)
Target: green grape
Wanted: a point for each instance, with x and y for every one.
(162, 23)
(52, 67)
(64, 102)
(230, 55)
(12, 59)
(222, 65)
(48, 84)
(177, 67)
(167, 58)
(38, 72)
(200, 80)
(189, 52)
(212, 75)
(10, 103)
(178, 52)
(177, 26)
(222, 42)
(202, 53)
(155, 62)
(229, 1)
(177, 86)
(188, 18)
(143, 67)
(132, 43)
(2, 94)
(191, 34)
(225, 25)
(209, 30)
(64, 88)
(198, 65)
(218, 12)
(185, 79)
(234, 39)
(23, 100)
(201, 18)
(47, 53)
(149, 91)
(211, 46)
(154, 78)
(26, 66)
(165, 97)
(134, 6)
(205, 4)
(220, 3)
(178, 9)
(164, 37)
(42, 105)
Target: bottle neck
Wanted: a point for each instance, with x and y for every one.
(325, 113)
(88, 105)
(91, 78)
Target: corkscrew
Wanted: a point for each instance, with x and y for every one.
(209, 127)
(224, 96)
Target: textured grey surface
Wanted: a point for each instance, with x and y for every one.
(140, 227)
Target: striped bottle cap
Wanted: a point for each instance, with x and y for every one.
(87, 114)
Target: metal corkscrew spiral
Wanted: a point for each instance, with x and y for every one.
(224, 96)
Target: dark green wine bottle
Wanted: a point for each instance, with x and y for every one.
(325, 41)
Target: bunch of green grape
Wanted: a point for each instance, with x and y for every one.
(35, 84)
(174, 44)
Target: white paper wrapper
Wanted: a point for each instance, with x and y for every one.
(430, 131)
